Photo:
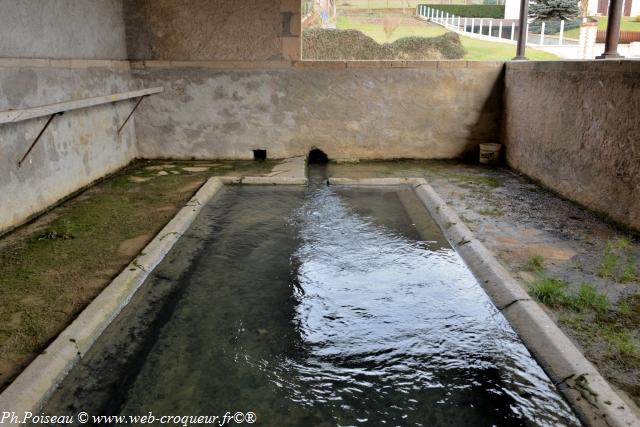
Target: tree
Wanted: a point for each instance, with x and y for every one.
(548, 10)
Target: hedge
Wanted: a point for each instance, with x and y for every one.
(471, 10)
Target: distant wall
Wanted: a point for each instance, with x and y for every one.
(355, 110)
(251, 30)
(87, 29)
(77, 148)
(574, 126)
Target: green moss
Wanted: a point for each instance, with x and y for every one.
(49, 272)
(550, 291)
(535, 264)
(474, 180)
(621, 343)
(630, 272)
(624, 308)
(589, 298)
(490, 211)
(612, 262)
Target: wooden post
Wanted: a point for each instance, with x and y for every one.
(613, 31)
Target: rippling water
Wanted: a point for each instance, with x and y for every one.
(310, 307)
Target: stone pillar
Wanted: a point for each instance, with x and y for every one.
(291, 29)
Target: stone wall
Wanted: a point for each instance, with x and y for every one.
(253, 30)
(87, 29)
(355, 110)
(574, 127)
(77, 148)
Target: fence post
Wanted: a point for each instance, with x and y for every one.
(446, 18)
(464, 30)
(542, 34)
(500, 29)
(458, 23)
(561, 32)
(490, 26)
(513, 30)
(480, 29)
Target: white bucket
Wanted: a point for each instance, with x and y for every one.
(490, 153)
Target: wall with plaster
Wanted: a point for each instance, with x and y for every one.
(251, 30)
(366, 111)
(77, 148)
(86, 29)
(573, 126)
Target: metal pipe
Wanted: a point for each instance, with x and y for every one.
(131, 113)
(522, 30)
(613, 31)
(35, 141)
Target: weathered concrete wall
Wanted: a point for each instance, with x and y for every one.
(213, 29)
(368, 110)
(87, 29)
(575, 127)
(77, 148)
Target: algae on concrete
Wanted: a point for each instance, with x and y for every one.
(53, 267)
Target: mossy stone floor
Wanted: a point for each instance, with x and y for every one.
(583, 270)
(53, 267)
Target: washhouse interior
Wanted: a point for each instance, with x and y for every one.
(196, 222)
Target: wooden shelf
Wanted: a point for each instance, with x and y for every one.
(13, 116)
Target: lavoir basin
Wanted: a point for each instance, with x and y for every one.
(314, 306)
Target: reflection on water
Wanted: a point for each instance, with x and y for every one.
(315, 307)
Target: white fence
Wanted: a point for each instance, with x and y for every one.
(494, 29)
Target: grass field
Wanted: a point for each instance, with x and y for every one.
(476, 50)
(628, 24)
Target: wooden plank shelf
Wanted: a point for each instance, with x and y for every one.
(18, 115)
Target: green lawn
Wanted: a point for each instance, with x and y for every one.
(628, 24)
(477, 50)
